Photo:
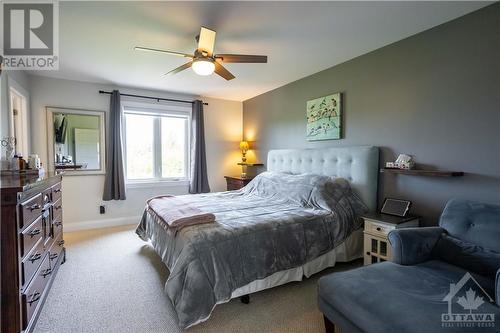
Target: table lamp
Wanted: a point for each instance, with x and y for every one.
(244, 146)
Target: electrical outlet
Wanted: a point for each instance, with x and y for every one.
(102, 209)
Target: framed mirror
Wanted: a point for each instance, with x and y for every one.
(76, 140)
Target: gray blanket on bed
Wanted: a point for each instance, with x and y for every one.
(277, 222)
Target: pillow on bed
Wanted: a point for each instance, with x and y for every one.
(308, 190)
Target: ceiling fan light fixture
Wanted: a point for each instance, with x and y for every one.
(203, 67)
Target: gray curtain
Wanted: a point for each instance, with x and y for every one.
(114, 183)
(199, 179)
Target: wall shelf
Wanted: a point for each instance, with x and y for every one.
(419, 172)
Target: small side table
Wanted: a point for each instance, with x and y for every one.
(236, 182)
(377, 226)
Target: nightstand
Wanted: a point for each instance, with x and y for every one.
(236, 182)
(377, 226)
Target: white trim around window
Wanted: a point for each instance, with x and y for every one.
(157, 111)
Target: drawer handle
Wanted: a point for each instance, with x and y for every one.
(46, 272)
(53, 256)
(34, 207)
(35, 232)
(35, 257)
(367, 253)
(57, 191)
(57, 207)
(58, 223)
(60, 243)
(379, 229)
(35, 297)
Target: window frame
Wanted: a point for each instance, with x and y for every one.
(157, 111)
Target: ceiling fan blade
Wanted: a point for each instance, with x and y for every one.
(147, 49)
(219, 69)
(242, 58)
(206, 41)
(180, 68)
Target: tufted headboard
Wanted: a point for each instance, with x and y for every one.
(358, 164)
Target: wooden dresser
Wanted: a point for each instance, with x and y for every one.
(32, 246)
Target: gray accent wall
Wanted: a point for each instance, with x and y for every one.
(435, 95)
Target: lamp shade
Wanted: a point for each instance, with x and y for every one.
(203, 67)
(244, 145)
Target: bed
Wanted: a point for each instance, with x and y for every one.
(295, 220)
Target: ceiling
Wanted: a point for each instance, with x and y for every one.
(299, 38)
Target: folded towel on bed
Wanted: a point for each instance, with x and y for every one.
(177, 213)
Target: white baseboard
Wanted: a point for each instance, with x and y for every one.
(97, 224)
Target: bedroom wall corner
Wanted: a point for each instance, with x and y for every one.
(223, 132)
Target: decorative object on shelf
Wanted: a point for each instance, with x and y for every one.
(244, 147)
(402, 162)
(420, 172)
(324, 118)
(405, 165)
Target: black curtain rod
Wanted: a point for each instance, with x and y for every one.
(149, 97)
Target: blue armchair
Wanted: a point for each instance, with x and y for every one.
(425, 286)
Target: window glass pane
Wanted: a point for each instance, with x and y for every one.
(139, 146)
(173, 147)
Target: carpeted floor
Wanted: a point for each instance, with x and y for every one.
(113, 282)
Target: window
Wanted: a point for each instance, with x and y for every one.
(156, 144)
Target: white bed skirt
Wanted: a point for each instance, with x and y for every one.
(350, 249)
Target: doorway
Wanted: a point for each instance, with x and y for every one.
(18, 115)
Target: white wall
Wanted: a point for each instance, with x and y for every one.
(82, 194)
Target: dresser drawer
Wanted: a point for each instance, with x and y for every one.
(55, 251)
(378, 229)
(31, 235)
(57, 226)
(57, 209)
(31, 262)
(58, 244)
(30, 210)
(30, 299)
(56, 192)
(234, 184)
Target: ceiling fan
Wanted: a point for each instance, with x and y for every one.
(204, 61)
